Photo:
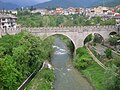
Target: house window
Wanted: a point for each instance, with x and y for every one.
(4, 27)
(2, 23)
(3, 19)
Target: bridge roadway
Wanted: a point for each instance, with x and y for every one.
(76, 34)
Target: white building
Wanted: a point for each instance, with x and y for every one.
(7, 21)
(41, 11)
(13, 12)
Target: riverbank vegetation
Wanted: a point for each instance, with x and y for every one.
(111, 60)
(42, 81)
(20, 55)
(102, 79)
(114, 42)
(36, 20)
(89, 68)
(112, 74)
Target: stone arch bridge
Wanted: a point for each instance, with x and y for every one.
(76, 34)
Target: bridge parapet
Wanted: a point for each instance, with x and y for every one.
(100, 28)
(78, 29)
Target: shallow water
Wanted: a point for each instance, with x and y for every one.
(67, 78)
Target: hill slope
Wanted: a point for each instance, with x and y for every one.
(76, 3)
(66, 3)
(8, 6)
(110, 3)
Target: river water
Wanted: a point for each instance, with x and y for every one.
(67, 78)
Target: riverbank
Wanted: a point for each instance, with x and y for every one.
(42, 81)
(95, 74)
(89, 68)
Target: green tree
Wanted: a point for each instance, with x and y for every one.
(108, 53)
(83, 59)
(83, 62)
(113, 40)
(20, 55)
(88, 38)
(97, 20)
(118, 10)
(59, 20)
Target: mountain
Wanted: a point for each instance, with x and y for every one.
(13, 4)
(112, 3)
(76, 3)
(21, 3)
(8, 6)
(108, 3)
(66, 3)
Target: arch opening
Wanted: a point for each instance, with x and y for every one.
(112, 33)
(94, 37)
(67, 40)
(98, 38)
(88, 38)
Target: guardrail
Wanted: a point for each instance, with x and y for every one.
(95, 59)
(25, 83)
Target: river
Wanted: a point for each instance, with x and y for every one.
(67, 77)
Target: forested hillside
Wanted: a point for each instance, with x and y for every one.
(108, 3)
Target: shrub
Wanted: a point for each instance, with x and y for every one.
(108, 53)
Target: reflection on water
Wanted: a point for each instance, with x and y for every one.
(67, 78)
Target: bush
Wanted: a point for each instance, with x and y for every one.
(111, 78)
(108, 53)
(83, 59)
(81, 51)
(113, 40)
(48, 75)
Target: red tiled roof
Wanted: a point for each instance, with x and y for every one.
(117, 14)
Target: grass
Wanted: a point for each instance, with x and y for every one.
(42, 81)
(95, 74)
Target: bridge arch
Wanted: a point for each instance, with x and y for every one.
(97, 37)
(71, 39)
(88, 38)
(112, 33)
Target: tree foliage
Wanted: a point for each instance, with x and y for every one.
(112, 78)
(37, 20)
(20, 55)
(82, 59)
(113, 40)
(108, 53)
